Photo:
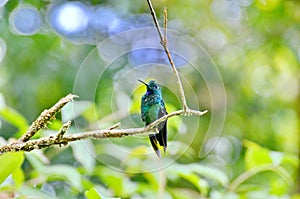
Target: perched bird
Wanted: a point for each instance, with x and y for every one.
(153, 108)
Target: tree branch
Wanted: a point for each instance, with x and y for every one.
(47, 115)
(111, 132)
(41, 122)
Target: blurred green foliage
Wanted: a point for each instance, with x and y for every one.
(255, 46)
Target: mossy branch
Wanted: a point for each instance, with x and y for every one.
(45, 117)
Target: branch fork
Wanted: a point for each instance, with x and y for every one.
(25, 144)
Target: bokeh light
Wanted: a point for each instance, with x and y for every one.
(152, 55)
(244, 2)
(284, 122)
(212, 38)
(228, 12)
(267, 5)
(288, 87)
(106, 21)
(69, 18)
(262, 81)
(3, 2)
(146, 51)
(226, 148)
(25, 20)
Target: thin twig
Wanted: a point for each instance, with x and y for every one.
(155, 20)
(62, 131)
(165, 46)
(47, 115)
(165, 24)
(114, 126)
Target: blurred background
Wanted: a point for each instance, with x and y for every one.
(238, 59)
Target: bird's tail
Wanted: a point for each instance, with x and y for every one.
(162, 136)
(154, 143)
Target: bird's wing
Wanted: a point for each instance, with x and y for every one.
(162, 136)
(143, 108)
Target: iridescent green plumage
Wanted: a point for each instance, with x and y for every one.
(153, 108)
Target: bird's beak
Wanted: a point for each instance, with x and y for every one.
(143, 82)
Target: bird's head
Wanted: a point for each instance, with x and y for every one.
(152, 87)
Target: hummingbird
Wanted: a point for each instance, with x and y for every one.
(153, 108)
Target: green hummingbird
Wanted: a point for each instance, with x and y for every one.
(153, 108)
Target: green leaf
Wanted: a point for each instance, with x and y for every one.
(18, 177)
(152, 180)
(180, 169)
(197, 182)
(84, 153)
(278, 187)
(254, 171)
(186, 170)
(216, 194)
(9, 163)
(210, 172)
(115, 183)
(14, 118)
(283, 174)
(93, 194)
(291, 160)
(63, 172)
(184, 193)
(135, 99)
(35, 160)
(30, 192)
(74, 109)
(119, 183)
(256, 155)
